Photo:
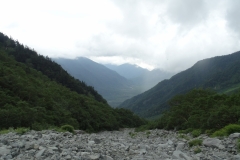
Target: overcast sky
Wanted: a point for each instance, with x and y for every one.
(167, 34)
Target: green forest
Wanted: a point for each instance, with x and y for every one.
(37, 93)
(200, 109)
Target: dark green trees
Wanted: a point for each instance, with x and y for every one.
(201, 109)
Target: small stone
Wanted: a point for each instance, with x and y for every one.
(39, 154)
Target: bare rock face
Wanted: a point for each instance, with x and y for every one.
(115, 145)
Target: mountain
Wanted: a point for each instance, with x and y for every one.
(142, 78)
(221, 74)
(113, 87)
(36, 96)
(127, 70)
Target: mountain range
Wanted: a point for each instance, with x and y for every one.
(114, 83)
(38, 93)
(221, 74)
(112, 86)
(141, 77)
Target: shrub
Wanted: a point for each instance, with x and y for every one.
(4, 131)
(21, 130)
(133, 135)
(195, 142)
(197, 150)
(227, 130)
(68, 128)
(186, 131)
(183, 136)
(196, 132)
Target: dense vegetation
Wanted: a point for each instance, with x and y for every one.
(221, 74)
(29, 98)
(46, 66)
(200, 109)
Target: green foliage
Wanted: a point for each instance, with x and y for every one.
(197, 150)
(186, 130)
(68, 128)
(227, 130)
(183, 136)
(201, 110)
(195, 142)
(196, 132)
(37, 99)
(21, 130)
(132, 135)
(220, 74)
(4, 131)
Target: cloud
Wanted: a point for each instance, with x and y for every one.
(232, 16)
(164, 34)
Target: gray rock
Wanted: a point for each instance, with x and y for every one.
(180, 155)
(94, 157)
(234, 135)
(180, 146)
(4, 150)
(39, 153)
(211, 142)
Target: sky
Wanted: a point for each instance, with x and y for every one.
(168, 34)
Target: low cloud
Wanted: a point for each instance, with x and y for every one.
(168, 34)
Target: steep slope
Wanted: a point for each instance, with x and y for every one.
(45, 65)
(143, 79)
(113, 87)
(31, 99)
(218, 73)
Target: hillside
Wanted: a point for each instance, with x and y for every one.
(31, 99)
(46, 66)
(113, 87)
(143, 79)
(218, 73)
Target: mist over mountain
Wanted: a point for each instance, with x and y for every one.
(141, 77)
(218, 73)
(112, 86)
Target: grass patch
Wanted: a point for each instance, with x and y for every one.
(186, 131)
(20, 130)
(183, 136)
(227, 130)
(132, 135)
(68, 128)
(196, 132)
(197, 150)
(195, 142)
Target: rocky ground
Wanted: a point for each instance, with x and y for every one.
(115, 145)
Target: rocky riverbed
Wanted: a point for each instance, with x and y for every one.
(116, 145)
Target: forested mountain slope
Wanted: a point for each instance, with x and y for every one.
(218, 73)
(113, 87)
(31, 99)
(48, 67)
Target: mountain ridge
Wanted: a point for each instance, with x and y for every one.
(203, 74)
(112, 86)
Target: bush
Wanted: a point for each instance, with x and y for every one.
(186, 131)
(197, 150)
(196, 132)
(68, 128)
(21, 130)
(195, 142)
(227, 130)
